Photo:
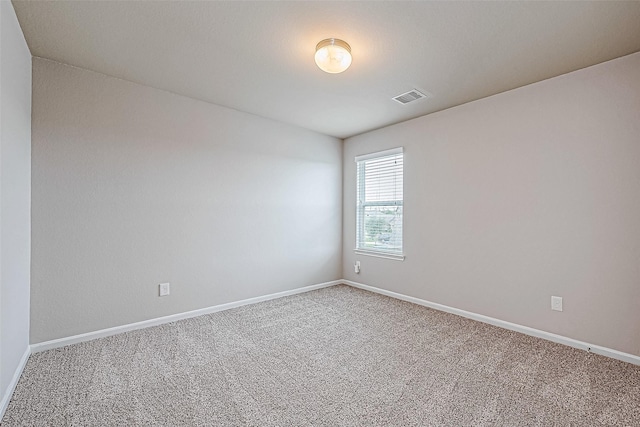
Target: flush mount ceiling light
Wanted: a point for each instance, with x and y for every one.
(333, 55)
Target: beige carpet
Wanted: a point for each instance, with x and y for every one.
(334, 357)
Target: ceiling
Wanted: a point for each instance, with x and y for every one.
(257, 57)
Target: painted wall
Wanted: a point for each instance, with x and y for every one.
(520, 196)
(134, 186)
(15, 195)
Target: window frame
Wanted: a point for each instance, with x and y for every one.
(361, 205)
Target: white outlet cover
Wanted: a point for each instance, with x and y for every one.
(164, 289)
(556, 303)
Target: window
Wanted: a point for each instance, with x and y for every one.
(379, 209)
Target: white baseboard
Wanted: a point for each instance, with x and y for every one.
(604, 351)
(47, 345)
(6, 397)
(61, 342)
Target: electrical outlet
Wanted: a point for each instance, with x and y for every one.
(356, 267)
(164, 289)
(556, 303)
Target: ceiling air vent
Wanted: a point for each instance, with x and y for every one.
(412, 95)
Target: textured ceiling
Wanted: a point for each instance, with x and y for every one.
(258, 56)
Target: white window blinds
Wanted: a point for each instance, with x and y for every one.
(380, 200)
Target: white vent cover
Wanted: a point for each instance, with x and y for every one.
(412, 95)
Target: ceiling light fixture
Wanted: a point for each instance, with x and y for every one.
(333, 55)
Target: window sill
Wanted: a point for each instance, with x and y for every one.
(376, 254)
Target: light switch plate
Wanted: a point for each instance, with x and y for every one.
(164, 289)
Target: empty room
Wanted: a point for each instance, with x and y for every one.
(319, 213)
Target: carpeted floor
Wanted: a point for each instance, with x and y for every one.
(338, 356)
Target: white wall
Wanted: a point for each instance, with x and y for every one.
(15, 187)
(516, 197)
(134, 186)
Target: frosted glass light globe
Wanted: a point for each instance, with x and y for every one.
(333, 55)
